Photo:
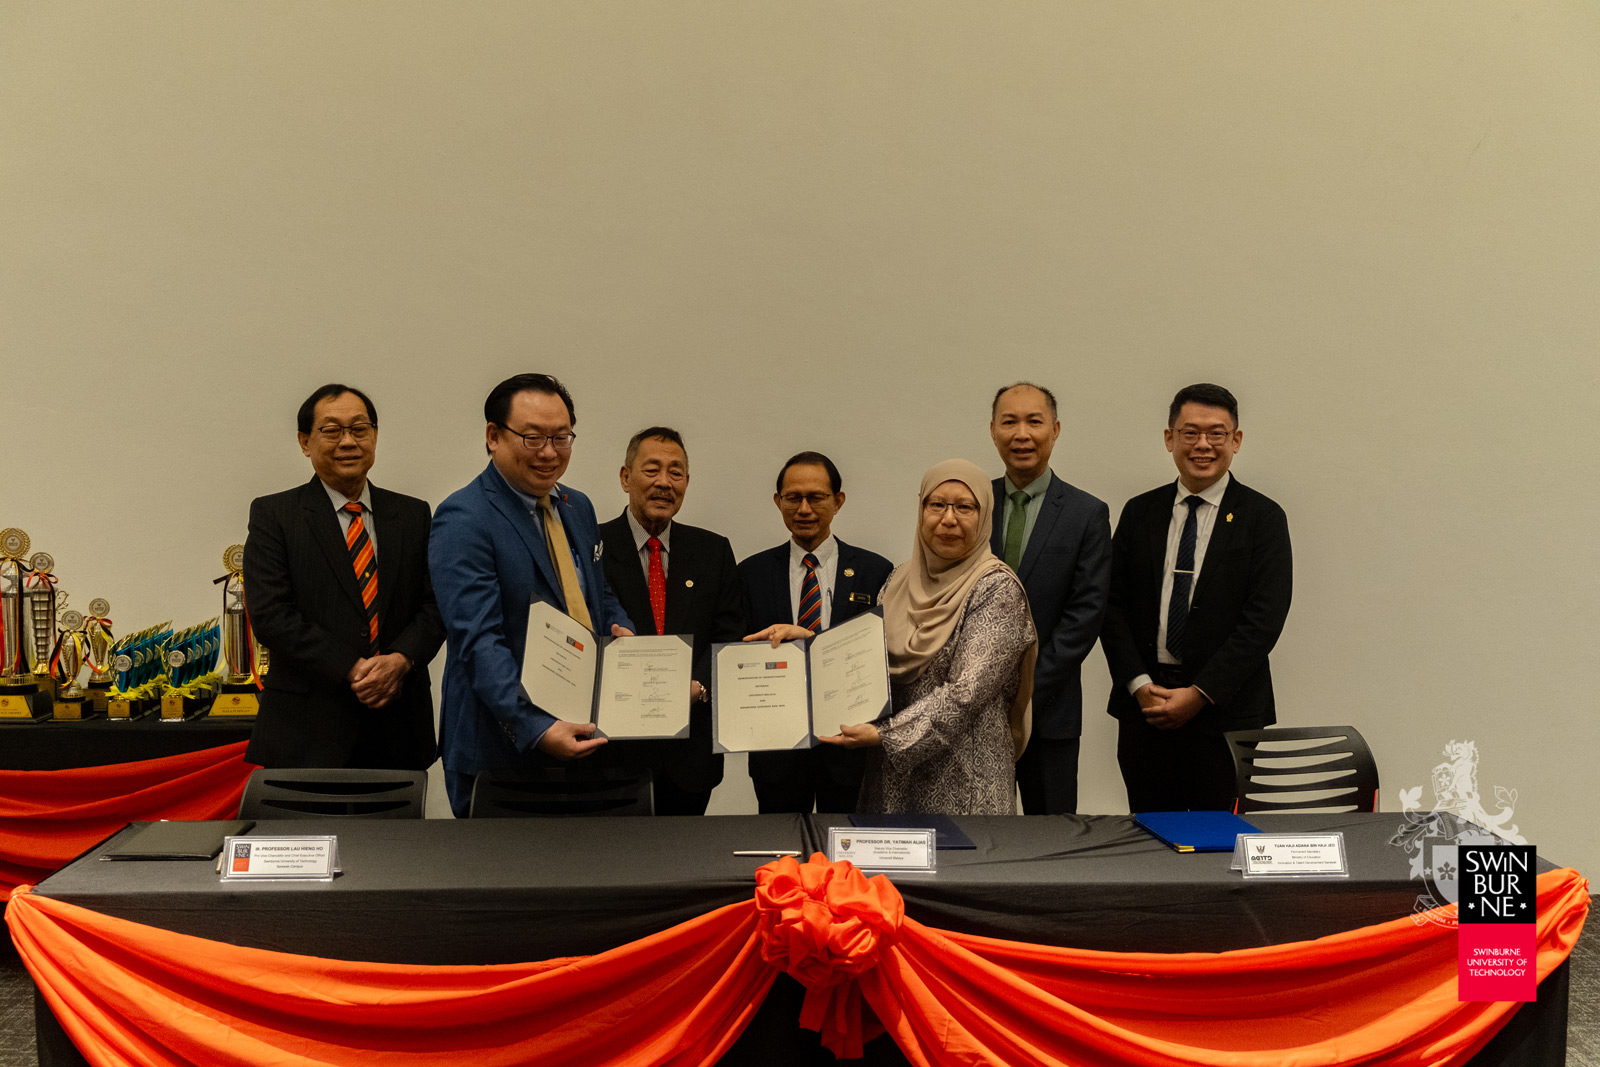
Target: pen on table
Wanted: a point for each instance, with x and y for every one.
(773, 852)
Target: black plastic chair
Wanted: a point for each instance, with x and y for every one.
(563, 791)
(1303, 769)
(334, 793)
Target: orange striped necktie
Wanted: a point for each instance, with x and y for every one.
(365, 562)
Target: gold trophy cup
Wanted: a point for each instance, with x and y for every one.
(97, 627)
(237, 695)
(66, 664)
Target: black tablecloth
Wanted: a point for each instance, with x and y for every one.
(509, 890)
(54, 746)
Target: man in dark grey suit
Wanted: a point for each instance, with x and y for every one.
(672, 578)
(1058, 540)
(336, 580)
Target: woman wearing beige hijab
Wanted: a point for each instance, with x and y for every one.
(961, 651)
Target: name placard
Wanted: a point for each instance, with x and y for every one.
(260, 858)
(1290, 856)
(883, 850)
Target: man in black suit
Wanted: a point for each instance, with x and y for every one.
(336, 584)
(672, 579)
(847, 581)
(1201, 576)
(1058, 540)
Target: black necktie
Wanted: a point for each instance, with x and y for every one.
(1182, 580)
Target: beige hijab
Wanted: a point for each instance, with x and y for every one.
(925, 599)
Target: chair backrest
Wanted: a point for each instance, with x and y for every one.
(334, 793)
(563, 791)
(1303, 768)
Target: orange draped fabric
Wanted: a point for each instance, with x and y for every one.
(129, 994)
(49, 817)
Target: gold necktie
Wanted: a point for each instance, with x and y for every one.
(556, 540)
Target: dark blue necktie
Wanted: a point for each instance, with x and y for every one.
(810, 596)
(1182, 580)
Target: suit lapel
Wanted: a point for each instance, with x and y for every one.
(1221, 534)
(329, 535)
(389, 553)
(1049, 512)
(681, 572)
(510, 505)
(997, 530)
(1160, 524)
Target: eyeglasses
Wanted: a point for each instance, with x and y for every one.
(794, 500)
(938, 507)
(1216, 438)
(334, 433)
(533, 442)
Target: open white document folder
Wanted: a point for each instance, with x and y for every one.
(767, 698)
(629, 687)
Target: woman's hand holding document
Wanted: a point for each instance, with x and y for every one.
(774, 690)
(629, 687)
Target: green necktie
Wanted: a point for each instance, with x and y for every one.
(1014, 524)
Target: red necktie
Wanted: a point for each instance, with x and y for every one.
(365, 562)
(658, 585)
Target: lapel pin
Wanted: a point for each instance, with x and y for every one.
(688, 583)
(849, 572)
(1230, 516)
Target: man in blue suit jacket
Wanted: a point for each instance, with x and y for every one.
(1058, 540)
(490, 555)
(849, 580)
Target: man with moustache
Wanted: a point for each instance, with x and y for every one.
(1201, 577)
(672, 578)
(814, 581)
(515, 534)
(1058, 540)
(337, 573)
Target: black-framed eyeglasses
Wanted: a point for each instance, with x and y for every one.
(533, 442)
(360, 431)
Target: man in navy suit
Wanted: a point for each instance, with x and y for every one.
(672, 578)
(1201, 577)
(848, 579)
(1058, 540)
(513, 535)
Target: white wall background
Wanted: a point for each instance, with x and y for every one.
(840, 226)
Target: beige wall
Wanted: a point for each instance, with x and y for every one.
(840, 225)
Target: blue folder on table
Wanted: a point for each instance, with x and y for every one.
(1195, 831)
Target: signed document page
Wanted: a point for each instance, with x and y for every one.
(760, 697)
(849, 674)
(558, 664)
(644, 687)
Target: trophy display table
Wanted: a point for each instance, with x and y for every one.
(55, 746)
(480, 892)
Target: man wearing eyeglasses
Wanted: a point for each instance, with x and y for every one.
(336, 580)
(673, 578)
(515, 534)
(815, 581)
(1201, 576)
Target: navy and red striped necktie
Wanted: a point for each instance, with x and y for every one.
(810, 596)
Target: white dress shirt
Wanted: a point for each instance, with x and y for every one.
(827, 555)
(345, 518)
(641, 535)
(1205, 518)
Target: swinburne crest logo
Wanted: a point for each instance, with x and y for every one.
(1496, 945)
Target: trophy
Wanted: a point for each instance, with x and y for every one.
(136, 677)
(237, 695)
(191, 684)
(66, 663)
(17, 687)
(40, 603)
(97, 627)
